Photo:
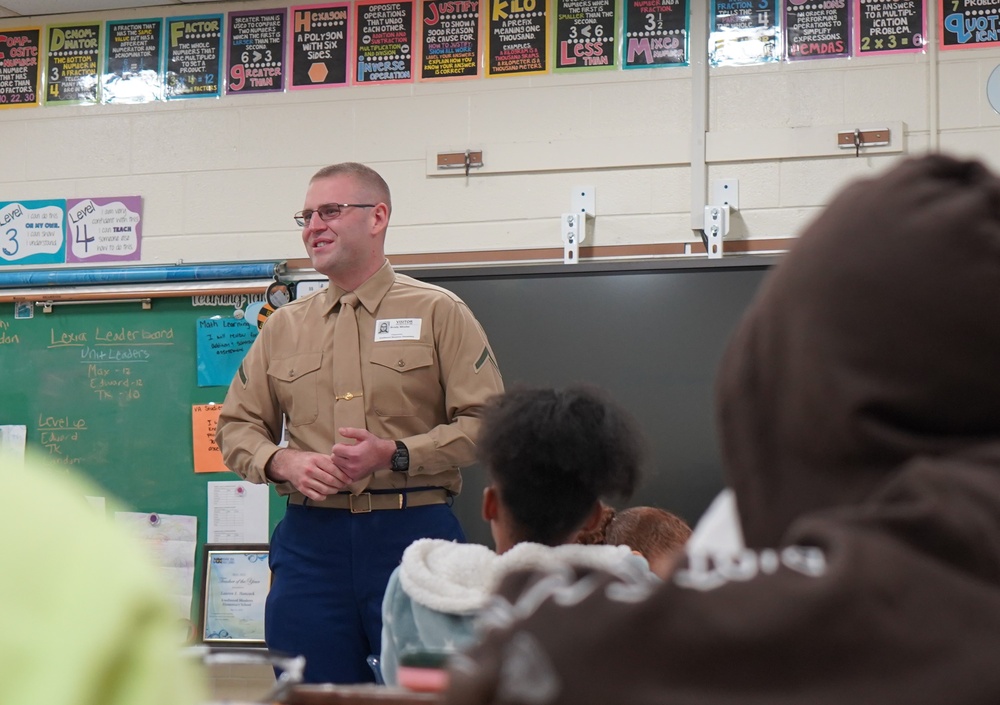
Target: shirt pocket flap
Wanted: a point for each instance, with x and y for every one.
(402, 358)
(289, 369)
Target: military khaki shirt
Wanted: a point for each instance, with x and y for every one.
(424, 384)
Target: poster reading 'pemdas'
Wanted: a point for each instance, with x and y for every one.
(384, 42)
(319, 47)
(817, 30)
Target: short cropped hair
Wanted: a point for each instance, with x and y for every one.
(649, 530)
(369, 179)
(553, 454)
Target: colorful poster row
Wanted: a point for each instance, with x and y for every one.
(386, 41)
(71, 230)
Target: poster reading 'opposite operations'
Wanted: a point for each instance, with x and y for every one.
(384, 42)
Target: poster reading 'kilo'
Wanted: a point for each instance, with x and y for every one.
(449, 39)
(655, 33)
(132, 62)
(256, 52)
(585, 34)
(970, 23)
(384, 42)
(19, 58)
(319, 45)
(817, 30)
(518, 32)
(194, 57)
(72, 66)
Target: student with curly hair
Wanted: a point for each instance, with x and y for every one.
(656, 534)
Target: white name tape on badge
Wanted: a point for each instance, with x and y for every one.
(397, 329)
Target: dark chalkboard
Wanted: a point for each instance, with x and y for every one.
(651, 334)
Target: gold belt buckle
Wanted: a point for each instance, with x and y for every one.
(361, 509)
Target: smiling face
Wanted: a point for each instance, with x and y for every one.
(351, 247)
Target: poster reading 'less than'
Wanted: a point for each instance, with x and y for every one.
(19, 59)
(585, 34)
(72, 66)
(194, 57)
(132, 62)
(256, 51)
(655, 33)
(384, 42)
(449, 39)
(319, 46)
(517, 38)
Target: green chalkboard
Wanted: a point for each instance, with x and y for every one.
(107, 389)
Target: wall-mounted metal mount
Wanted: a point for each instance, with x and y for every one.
(574, 223)
(863, 138)
(460, 160)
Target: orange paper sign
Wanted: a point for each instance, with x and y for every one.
(207, 456)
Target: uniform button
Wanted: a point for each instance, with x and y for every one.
(291, 372)
(401, 364)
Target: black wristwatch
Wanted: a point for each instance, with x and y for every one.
(400, 459)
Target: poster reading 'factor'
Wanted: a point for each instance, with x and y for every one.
(194, 57)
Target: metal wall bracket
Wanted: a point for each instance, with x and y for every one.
(574, 224)
(460, 160)
(716, 227)
(863, 138)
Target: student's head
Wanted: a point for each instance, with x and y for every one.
(551, 456)
(655, 533)
(595, 535)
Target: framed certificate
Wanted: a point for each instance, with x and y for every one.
(235, 581)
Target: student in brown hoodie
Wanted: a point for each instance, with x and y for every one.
(859, 414)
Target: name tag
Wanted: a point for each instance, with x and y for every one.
(397, 329)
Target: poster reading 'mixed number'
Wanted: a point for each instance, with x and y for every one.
(655, 33)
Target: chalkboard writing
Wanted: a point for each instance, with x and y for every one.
(744, 32)
(889, 26)
(518, 35)
(256, 51)
(585, 34)
(19, 67)
(449, 39)
(970, 22)
(194, 57)
(655, 33)
(817, 30)
(132, 62)
(384, 42)
(319, 45)
(72, 65)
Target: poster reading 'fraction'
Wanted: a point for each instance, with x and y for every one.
(194, 57)
(256, 52)
(384, 42)
(585, 34)
(517, 37)
(655, 33)
(319, 45)
(449, 39)
(19, 59)
(72, 66)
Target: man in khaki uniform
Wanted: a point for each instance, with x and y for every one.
(376, 435)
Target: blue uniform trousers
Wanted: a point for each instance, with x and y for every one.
(329, 570)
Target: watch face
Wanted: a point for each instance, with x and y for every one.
(278, 294)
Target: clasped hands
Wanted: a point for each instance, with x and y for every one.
(316, 475)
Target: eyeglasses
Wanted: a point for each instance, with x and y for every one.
(327, 212)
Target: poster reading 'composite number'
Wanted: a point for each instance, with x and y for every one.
(256, 52)
(517, 37)
(384, 42)
(132, 62)
(194, 57)
(72, 66)
(319, 45)
(655, 33)
(19, 57)
(888, 26)
(970, 23)
(449, 39)
(815, 30)
(744, 32)
(585, 34)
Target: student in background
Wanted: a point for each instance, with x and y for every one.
(551, 455)
(655, 533)
(859, 413)
(84, 619)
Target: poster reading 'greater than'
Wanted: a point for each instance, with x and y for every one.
(194, 57)
(320, 46)
(256, 52)
(655, 33)
(19, 60)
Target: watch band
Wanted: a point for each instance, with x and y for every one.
(401, 458)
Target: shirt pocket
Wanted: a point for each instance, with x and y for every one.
(404, 377)
(295, 381)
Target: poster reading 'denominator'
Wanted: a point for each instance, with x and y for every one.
(585, 34)
(384, 42)
(320, 46)
(73, 64)
(256, 62)
(655, 33)
(194, 57)
(517, 38)
(449, 39)
(19, 58)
